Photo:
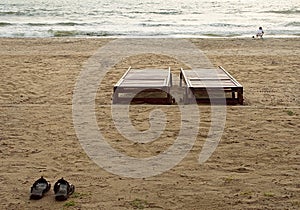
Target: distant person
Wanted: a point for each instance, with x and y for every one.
(260, 33)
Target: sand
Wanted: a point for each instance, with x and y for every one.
(255, 166)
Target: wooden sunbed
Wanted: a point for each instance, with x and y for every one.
(144, 86)
(201, 84)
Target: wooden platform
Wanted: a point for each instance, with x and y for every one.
(217, 82)
(144, 86)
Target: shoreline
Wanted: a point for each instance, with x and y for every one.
(160, 37)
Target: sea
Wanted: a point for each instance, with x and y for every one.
(149, 18)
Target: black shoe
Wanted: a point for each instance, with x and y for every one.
(63, 190)
(39, 188)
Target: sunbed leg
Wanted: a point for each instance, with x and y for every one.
(180, 81)
(240, 96)
(169, 97)
(115, 96)
(185, 96)
(233, 94)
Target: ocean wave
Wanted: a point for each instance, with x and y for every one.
(155, 24)
(4, 24)
(166, 13)
(76, 33)
(70, 24)
(293, 24)
(38, 24)
(15, 13)
(98, 34)
(62, 33)
(287, 12)
(54, 24)
(37, 13)
(226, 25)
(20, 34)
(157, 12)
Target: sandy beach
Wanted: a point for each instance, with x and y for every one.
(255, 166)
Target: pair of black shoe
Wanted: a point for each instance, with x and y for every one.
(62, 189)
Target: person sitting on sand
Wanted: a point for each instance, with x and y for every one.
(260, 33)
